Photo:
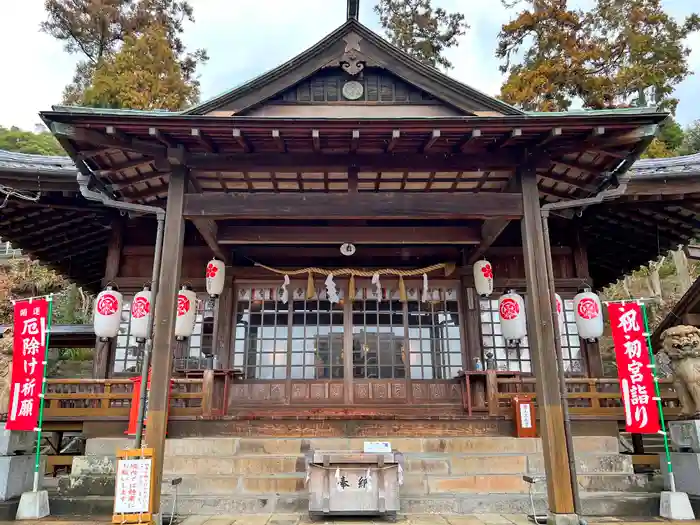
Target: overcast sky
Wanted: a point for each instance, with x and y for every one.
(255, 36)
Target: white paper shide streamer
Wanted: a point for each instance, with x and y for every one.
(331, 290)
(424, 295)
(285, 292)
(377, 283)
(368, 477)
(337, 480)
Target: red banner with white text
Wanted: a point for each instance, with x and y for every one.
(28, 354)
(636, 377)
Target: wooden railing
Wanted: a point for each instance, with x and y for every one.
(588, 397)
(111, 398)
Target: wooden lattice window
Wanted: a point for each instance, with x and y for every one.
(196, 350)
(435, 346)
(517, 358)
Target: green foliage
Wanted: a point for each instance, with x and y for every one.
(691, 139)
(96, 30)
(143, 74)
(17, 140)
(423, 32)
(619, 53)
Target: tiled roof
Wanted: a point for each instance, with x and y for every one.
(23, 162)
(26, 163)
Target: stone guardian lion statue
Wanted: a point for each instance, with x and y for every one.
(682, 346)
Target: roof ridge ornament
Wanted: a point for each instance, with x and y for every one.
(352, 61)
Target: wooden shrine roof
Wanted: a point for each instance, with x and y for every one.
(658, 211)
(60, 228)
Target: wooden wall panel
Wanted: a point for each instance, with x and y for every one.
(436, 392)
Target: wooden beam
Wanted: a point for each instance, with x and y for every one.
(163, 138)
(279, 141)
(316, 140)
(472, 137)
(395, 137)
(493, 228)
(541, 334)
(339, 234)
(300, 162)
(207, 228)
(240, 138)
(204, 140)
(434, 137)
(165, 310)
(129, 164)
(672, 185)
(355, 141)
(507, 140)
(551, 136)
(361, 205)
(102, 139)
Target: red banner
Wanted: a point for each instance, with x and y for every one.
(28, 354)
(636, 376)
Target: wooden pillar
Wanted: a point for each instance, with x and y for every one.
(223, 325)
(164, 327)
(593, 358)
(541, 334)
(105, 350)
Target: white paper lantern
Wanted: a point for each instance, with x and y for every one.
(108, 313)
(589, 315)
(511, 310)
(560, 314)
(141, 314)
(215, 274)
(483, 278)
(186, 313)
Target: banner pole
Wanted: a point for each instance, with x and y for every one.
(647, 334)
(37, 460)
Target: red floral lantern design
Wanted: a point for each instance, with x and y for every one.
(215, 276)
(483, 278)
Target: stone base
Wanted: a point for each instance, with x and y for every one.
(13, 442)
(685, 434)
(675, 506)
(16, 476)
(562, 519)
(686, 472)
(33, 506)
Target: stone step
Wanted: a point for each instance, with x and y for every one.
(597, 504)
(227, 446)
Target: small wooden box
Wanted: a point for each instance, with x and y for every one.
(354, 484)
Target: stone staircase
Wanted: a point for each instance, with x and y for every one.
(453, 475)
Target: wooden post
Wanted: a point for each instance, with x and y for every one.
(164, 327)
(541, 334)
(105, 350)
(207, 394)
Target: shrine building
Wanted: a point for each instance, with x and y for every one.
(354, 164)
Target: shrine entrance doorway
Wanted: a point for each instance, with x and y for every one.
(375, 349)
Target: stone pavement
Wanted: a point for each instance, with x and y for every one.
(296, 519)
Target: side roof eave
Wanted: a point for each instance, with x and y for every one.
(429, 79)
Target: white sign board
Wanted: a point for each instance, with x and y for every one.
(133, 486)
(525, 415)
(377, 447)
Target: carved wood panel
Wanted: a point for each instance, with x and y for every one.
(318, 392)
(258, 392)
(379, 391)
(436, 392)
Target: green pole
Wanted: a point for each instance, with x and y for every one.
(37, 460)
(672, 481)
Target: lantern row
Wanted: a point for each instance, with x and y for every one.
(588, 311)
(109, 303)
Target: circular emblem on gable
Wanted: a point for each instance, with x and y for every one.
(353, 90)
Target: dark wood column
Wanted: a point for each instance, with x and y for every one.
(104, 350)
(540, 331)
(164, 327)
